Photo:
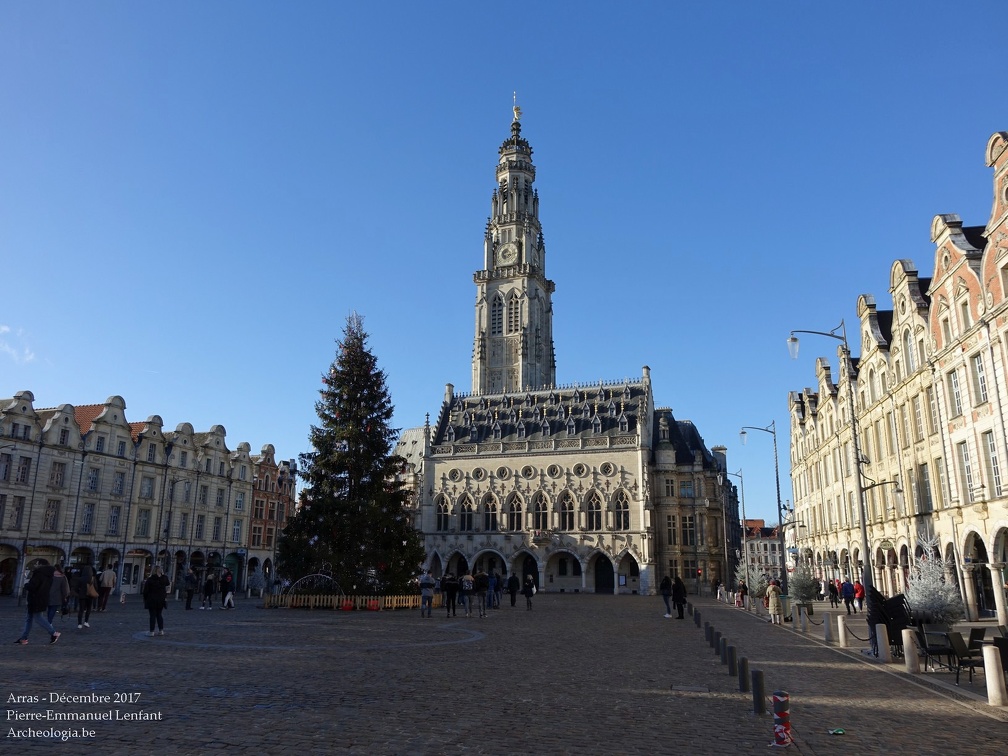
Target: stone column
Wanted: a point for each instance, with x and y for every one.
(997, 580)
(970, 599)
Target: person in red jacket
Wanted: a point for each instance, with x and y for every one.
(859, 595)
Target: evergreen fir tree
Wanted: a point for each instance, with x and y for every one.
(352, 520)
(802, 584)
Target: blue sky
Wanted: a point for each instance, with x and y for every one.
(193, 196)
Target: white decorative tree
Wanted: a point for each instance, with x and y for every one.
(930, 594)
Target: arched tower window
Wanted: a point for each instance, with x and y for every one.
(466, 516)
(621, 511)
(593, 512)
(540, 515)
(489, 513)
(497, 316)
(443, 518)
(514, 513)
(566, 511)
(513, 314)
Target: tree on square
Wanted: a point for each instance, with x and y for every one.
(352, 518)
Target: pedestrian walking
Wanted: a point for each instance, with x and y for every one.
(513, 586)
(227, 587)
(666, 592)
(859, 595)
(189, 581)
(847, 591)
(493, 592)
(529, 590)
(37, 594)
(742, 594)
(155, 593)
(466, 586)
(774, 603)
(679, 596)
(481, 587)
(834, 594)
(106, 582)
(86, 590)
(450, 586)
(59, 593)
(427, 584)
(208, 592)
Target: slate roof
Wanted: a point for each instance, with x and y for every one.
(607, 409)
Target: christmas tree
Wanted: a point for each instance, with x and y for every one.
(352, 522)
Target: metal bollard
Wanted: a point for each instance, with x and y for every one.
(696, 618)
(724, 650)
(743, 675)
(732, 661)
(716, 642)
(802, 619)
(758, 694)
(996, 695)
(828, 627)
(708, 631)
(689, 608)
(782, 718)
(841, 628)
(910, 652)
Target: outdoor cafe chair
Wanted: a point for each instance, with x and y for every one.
(962, 655)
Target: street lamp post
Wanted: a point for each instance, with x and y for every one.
(866, 568)
(772, 430)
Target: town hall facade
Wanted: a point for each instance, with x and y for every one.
(588, 487)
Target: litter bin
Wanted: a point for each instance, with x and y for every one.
(785, 605)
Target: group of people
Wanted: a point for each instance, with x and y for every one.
(482, 589)
(673, 591)
(852, 594)
(52, 589)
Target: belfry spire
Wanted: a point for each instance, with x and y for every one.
(513, 348)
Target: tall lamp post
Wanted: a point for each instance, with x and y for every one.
(728, 578)
(866, 568)
(772, 430)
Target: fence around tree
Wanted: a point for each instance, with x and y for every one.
(344, 602)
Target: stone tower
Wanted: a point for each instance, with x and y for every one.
(513, 348)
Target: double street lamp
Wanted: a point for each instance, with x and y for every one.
(859, 489)
(745, 555)
(772, 430)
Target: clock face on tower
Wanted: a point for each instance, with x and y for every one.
(507, 254)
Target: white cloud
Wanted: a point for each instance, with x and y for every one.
(19, 352)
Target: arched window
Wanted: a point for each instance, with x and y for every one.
(540, 514)
(489, 514)
(497, 316)
(566, 511)
(443, 518)
(873, 393)
(513, 314)
(466, 516)
(593, 512)
(621, 511)
(514, 513)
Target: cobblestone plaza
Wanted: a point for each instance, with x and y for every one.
(578, 674)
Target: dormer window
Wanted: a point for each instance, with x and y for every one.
(450, 435)
(496, 431)
(596, 425)
(545, 427)
(521, 429)
(624, 424)
(571, 428)
(612, 408)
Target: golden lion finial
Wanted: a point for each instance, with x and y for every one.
(515, 108)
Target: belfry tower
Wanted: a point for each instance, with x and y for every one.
(513, 349)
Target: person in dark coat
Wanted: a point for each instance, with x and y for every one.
(155, 593)
(449, 584)
(529, 590)
(227, 590)
(190, 587)
(37, 590)
(513, 586)
(666, 594)
(208, 592)
(679, 596)
(84, 579)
